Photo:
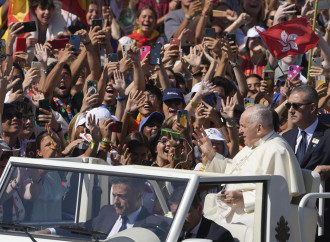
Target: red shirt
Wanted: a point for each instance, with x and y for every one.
(250, 68)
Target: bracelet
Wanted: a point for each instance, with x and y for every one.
(93, 144)
(187, 16)
(283, 93)
(230, 123)
(44, 71)
(202, 168)
(204, 14)
(122, 98)
(128, 112)
(105, 146)
(106, 140)
(88, 42)
(193, 104)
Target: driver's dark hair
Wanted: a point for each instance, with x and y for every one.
(136, 184)
(177, 194)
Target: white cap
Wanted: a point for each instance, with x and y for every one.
(252, 33)
(214, 134)
(99, 112)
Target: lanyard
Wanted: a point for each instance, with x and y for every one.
(67, 108)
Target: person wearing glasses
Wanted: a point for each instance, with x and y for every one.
(11, 126)
(310, 138)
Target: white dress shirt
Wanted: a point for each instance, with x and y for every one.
(309, 134)
(130, 222)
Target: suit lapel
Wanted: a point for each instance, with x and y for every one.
(292, 138)
(318, 133)
(204, 228)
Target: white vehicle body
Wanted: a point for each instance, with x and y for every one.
(275, 217)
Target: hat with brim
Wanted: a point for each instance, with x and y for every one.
(171, 94)
(153, 116)
(252, 33)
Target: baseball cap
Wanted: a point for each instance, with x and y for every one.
(153, 116)
(252, 33)
(99, 112)
(172, 93)
(214, 134)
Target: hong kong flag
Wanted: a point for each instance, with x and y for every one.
(292, 37)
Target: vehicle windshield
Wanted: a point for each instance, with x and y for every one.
(86, 205)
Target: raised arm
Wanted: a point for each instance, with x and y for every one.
(54, 76)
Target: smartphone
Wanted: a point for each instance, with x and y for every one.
(113, 57)
(58, 44)
(116, 127)
(155, 50)
(182, 117)
(125, 47)
(44, 104)
(317, 61)
(20, 44)
(269, 75)
(28, 27)
(293, 70)
(144, 51)
(36, 64)
(176, 43)
(231, 37)
(97, 22)
(248, 102)
(30, 147)
(2, 49)
(322, 5)
(319, 80)
(18, 85)
(210, 32)
(75, 41)
(92, 84)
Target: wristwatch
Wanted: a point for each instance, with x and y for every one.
(235, 64)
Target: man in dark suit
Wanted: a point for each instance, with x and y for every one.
(196, 225)
(310, 139)
(126, 212)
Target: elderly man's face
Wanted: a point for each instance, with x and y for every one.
(247, 129)
(125, 199)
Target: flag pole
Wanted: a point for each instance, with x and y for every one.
(311, 50)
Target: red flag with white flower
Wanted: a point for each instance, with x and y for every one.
(292, 37)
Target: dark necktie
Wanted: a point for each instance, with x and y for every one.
(302, 147)
(124, 221)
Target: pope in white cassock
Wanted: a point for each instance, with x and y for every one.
(265, 152)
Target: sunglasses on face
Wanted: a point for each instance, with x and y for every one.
(295, 106)
(176, 102)
(271, 17)
(10, 116)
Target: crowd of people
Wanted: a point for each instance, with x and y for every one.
(175, 84)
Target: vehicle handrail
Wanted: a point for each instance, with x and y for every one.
(321, 210)
(302, 204)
